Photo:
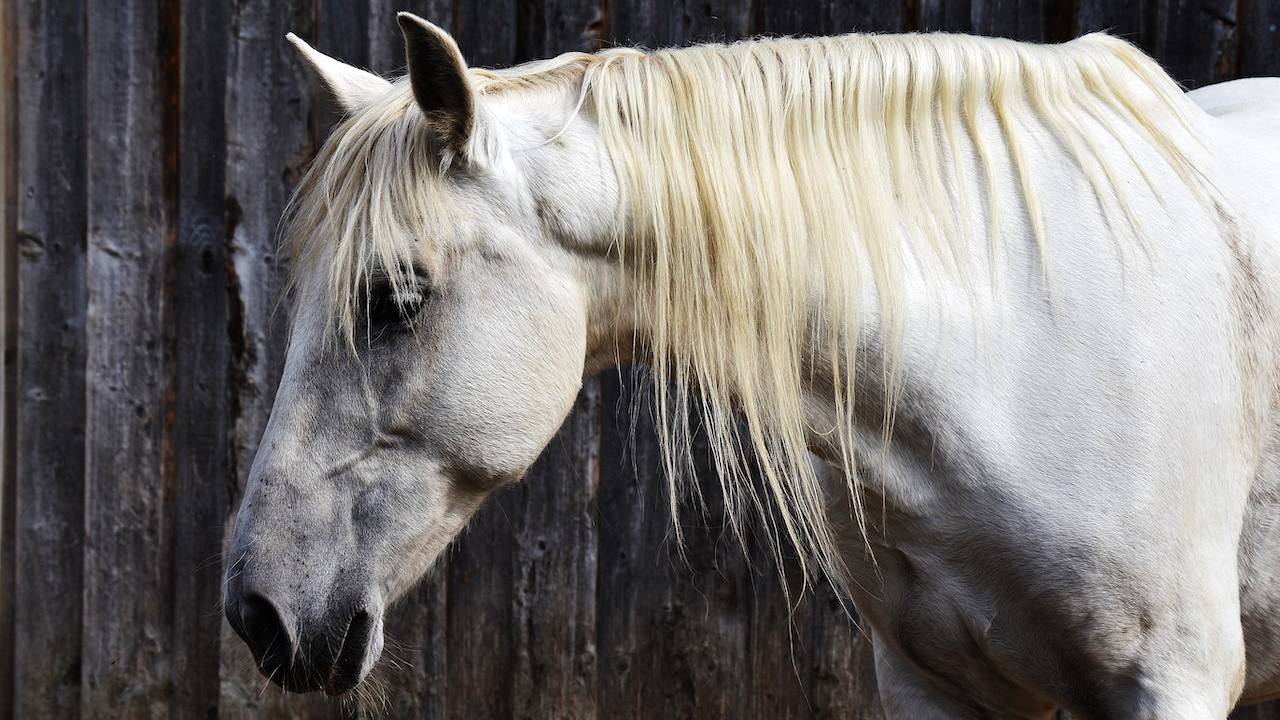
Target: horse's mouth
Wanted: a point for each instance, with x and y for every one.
(347, 669)
(294, 669)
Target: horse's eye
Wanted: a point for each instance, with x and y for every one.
(391, 310)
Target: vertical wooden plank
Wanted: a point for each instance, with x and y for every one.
(628, 517)
(844, 680)
(8, 344)
(781, 657)
(867, 16)
(127, 537)
(480, 653)
(486, 32)
(50, 237)
(546, 28)
(672, 627)
(1122, 18)
(202, 358)
(655, 23)
(1260, 38)
(945, 16)
(672, 634)
(675, 628)
(1017, 19)
(1195, 40)
(555, 573)
(413, 674)
(820, 17)
(386, 45)
(269, 142)
(342, 32)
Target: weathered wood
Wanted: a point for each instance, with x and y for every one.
(481, 577)
(555, 574)
(628, 517)
(1122, 18)
(342, 31)
(550, 27)
(269, 141)
(706, 609)
(672, 625)
(655, 23)
(162, 139)
(8, 344)
(50, 237)
(945, 15)
(201, 350)
(821, 17)
(128, 536)
(386, 45)
(843, 683)
(413, 674)
(1017, 19)
(780, 661)
(1195, 40)
(486, 32)
(1260, 38)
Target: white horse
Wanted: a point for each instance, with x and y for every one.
(1021, 298)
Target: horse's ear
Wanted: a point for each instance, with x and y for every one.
(438, 75)
(351, 87)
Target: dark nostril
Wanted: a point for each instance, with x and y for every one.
(345, 673)
(266, 633)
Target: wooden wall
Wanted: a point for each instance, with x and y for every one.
(148, 148)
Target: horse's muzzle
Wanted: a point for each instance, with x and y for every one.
(332, 656)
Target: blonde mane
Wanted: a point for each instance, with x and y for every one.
(756, 177)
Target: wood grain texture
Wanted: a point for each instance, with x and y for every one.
(8, 346)
(1259, 23)
(128, 529)
(1195, 40)
(657, 23)
(1122, 18)
(150, 148)
(554, 611)
(413, 677)
(1018, 19)
(386, 44)
(201, 356)
(822, 17)
(50, 237)
(945, 16)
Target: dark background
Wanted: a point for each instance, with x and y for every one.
(148, 148)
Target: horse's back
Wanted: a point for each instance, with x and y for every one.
(1245, 140)
(1245, 129)
(1249, 102)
